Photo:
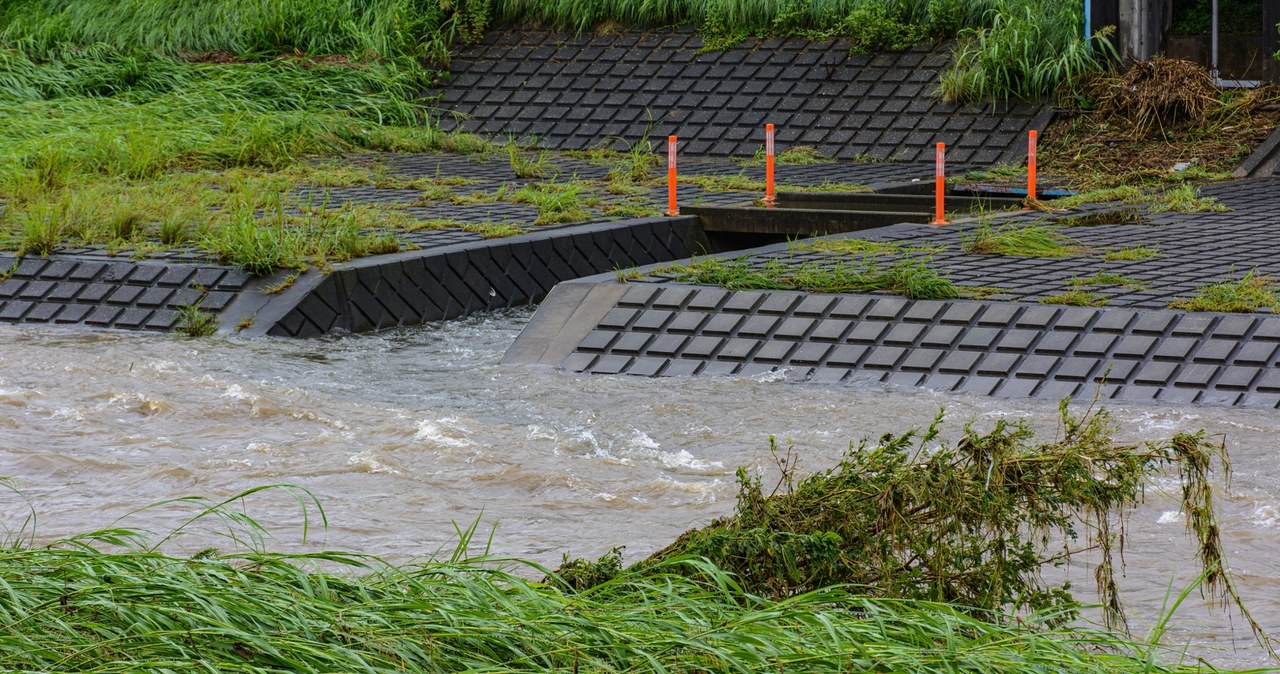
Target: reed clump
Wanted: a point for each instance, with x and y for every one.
(972, 524)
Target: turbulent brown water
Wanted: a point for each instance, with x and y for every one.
(401, 435)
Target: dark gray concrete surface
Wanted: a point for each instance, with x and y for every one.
(575, 92)
(1134, 348)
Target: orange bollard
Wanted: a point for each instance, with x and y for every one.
(770, 199)
(1031, 168)
(940, 190)
(672, 207)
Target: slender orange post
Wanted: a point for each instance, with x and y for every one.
(672, 207)
(770, 199)
(940, 190)
(1031, 168)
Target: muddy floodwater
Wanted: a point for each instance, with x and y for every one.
(402, 435)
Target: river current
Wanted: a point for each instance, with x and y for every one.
(402, 436)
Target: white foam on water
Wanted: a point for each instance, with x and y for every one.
(162, 366)
(1171, 517)
(236, 392)
(67, 414)
(771, 376)
(1266, 516)
(444, 432)
(367, 462)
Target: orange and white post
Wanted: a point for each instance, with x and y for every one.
(940, 189)
(1031, 167)
(770, 198)
(672, 207)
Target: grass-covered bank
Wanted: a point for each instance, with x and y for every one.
(111, 99)
(77, 609)
(779, 586)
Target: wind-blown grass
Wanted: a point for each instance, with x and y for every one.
(109, 601)
(83, 610)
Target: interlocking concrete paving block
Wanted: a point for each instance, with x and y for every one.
(811, 353)
(702, 347)
(1155, 373)
(687, 321)
(886, 308)
(980, 338)
(794, 328)
(1233, 327)
(1269, 381)
(1236, 377)
(611, 365)
(598, 340)
(850, 307)
(981, 385)
(14, 310)
(74, 313)
(775, 352)
(1196, 375)
(631, 343)
(743, 302)
(846, 355)
(1255, 353)
(707, 299)
(1112, 321)
(884, 358)
(1175, 348)
(941, 335)
(1134, 346)
(998, 364)
(722, 324)
(1215, 350)
(639, 295)
(737, 349)
(758, 326)
(652, 320)
(830, 330)
(618, 318)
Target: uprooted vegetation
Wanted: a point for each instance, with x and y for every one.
(974, 523)
(1133, 127)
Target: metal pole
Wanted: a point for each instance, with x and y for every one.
(1213, 65)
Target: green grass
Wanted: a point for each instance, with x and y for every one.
(1247, 294)
(75, 608)
(1185, 199)
(557, 203)
(851, 246)
(1129, 194)
(240, 217)
(1106, 280)
(529, 164)
(1020, 240)
(1075, 297)
(490, 230)
(1131, 254)
(195, 322)
(102, 101)
(906, 276)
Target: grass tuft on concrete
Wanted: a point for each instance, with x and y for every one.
(1246, 294)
